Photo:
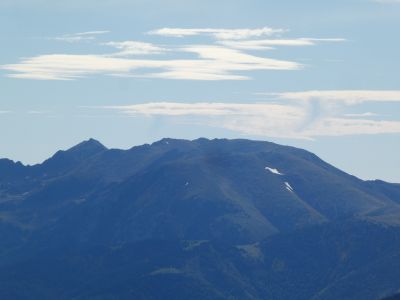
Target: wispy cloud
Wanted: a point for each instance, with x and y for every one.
(290, 120)
(223, 59)
(345, 126)
(96, 32)
(348, 97)
(256, 118)
(129, 48)
(80, 36)
(267, 44)
(362, 115)
(37, 112)
(215, 63)
(218, 33)
(238, 60)
(206, 109)
(73, 38)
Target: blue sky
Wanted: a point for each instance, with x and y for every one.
(321, 75)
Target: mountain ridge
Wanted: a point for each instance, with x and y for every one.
(266, 222)
(93, 143)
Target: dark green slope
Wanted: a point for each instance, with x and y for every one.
(219, 219)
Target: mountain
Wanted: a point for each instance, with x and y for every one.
(394, 297)
(202, 219)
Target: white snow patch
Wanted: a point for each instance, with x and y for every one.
(273, 171)
(289, 187)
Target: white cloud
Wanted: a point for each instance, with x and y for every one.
(215, 63)
(208, 109)
(2, 112)
(348, 97)
(262, 119)
(362, 115)
(96, 32)
(80, 36)
(340, 127)
(267, 44)
(225, 61)
(37, 112)
(190, 74)
(238, 60)
(256, 118)
(128, 48)
(74, 38)
(222, 34)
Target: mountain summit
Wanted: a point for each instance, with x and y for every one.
(202, 219)
(90, 146)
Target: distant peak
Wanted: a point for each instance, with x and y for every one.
(5, 162)
(90, 145)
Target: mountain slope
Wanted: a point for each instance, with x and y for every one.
(213, 219)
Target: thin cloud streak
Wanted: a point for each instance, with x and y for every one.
(129, 48)
(268, 44)
(362, 115)
(206, 109)
(262, 119)
(239, 60)
(216, 63)
(80, 36)
(224, 59)
(256, 118)
(348, 97)
(96, 32)
(218, 33)
(37, 112)
(345, 126)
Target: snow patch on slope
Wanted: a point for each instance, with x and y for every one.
(289, 187)
(273, 171)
